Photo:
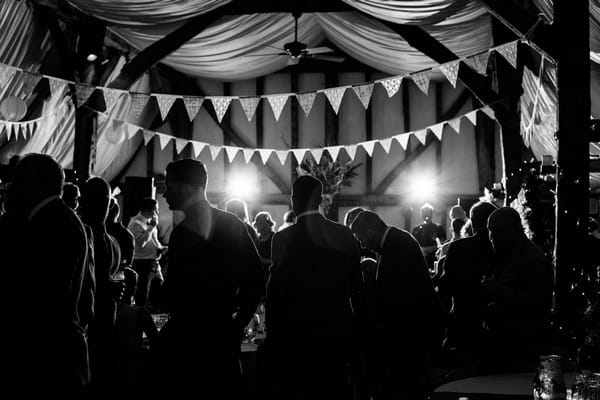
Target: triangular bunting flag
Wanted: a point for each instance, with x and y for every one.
(248, 153)
(282, 155)
(364, 92)
(386, 144)
(335, 96)
(351, 151)
(180, 145)
(111, 96)
(6, 75)
(317, 154)
(138, 102)
(299, 154)
(231, 152)
(437, 130)
(164, 140)
(165, 102)
(214, 151)
(455, 124)
(421, 79)
(9, 129)
(479, 62)
(83, 93)
(489, 112)
(391, 85)
(30, 81)
(450, 71)
(198, 146)
(56, 86)
(277, 103)
(306, 101)
(131, 130)
(264, 154)
(403, 139)
(472, 116)
(369, 146)
(249, 105)
(509, 52)
(221, 104)
(421, 135)
(334, 151)
(192, 105)
(148, 135)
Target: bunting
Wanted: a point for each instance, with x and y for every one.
(249, 105)
(192, 105)
(509, 52)
(487, 110)
(421, 135)
(334, 151)
(148, 135)
(277, 103)
(299, 154)
(138, 102)
(281, 155)
(111, 96)
(437, 130)
(57, 86)
(164, 140)
(364, 93)
(165, 102)
(264, 154)
(386, 144)
(392, 85)
(6, 75)
(472, 116)
(180, 145)
(351, 151)
(317, 154)
(402, 139)
(306, 101)
(231, 152)
(479, 62)
(248, 153)
(30, 81)
(421, 79)
(198, 147)
(455, 124)
(214, 151)
(221, 104)
(83, 93)
(369, 146)
(450, 71)
(130, 131)
(335, 96)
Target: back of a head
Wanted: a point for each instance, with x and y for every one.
(148, 204)
(70, 195)
(263, 217)
(38, 176)
(480, 212)
(95, 198)
(237, 207)
(289, 217)
(457, 212)
(508, 218)
(367, 220)
(351, 215)
(306, 193)
(457, 224)
(187, 172)
(427, 211)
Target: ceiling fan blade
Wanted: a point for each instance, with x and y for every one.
(273, 47)
(324, 57)
(269, 54)
(319, 50)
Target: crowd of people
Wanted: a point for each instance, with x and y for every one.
(354, 310)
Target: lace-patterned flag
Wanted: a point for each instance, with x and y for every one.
(450, 71)
(6, 75)
(111, 96)
(422, 79)
(138, 102)
(335, 96)
(479, 62)
(165, 102)
(56, 86)
(221, 104)
(364, 93)
(277, 103)
(83, 93)
(192, 105)
(509, 52)
(249, 105)
(391, 85)
(30, 81)
(306, 101)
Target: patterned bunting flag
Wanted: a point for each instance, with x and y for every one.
(369, 146)
(138, 102)
(83, 93)
(198, 147)
(386, 144)
(479, 62)
(221, 104)
(299, 154)
(421, 135)
(264, 154)
(489, 112)
(402, 139)
(455, 124)
(450, 71)
(214, 151)
(391, 85)
(364, 93)
(317, 154)
(111, 96)
(335, 96)
(57, 86)
(192, 105)
(30, 81)
(248, 153)
(6, 75)
(351, 151)
(180, 145)
(163, 140)
(334, 151)
(148, 135)
(231, 152)
(422, 79)
(437, 130)
(472, 116)
(306, 101)
(509, 52)
(282, 155)
(277, 103)
(249, 105)
(165, 102)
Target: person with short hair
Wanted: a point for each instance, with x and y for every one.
(71, 196)
(263, 223)
(289, 219)
(122, 235)
(429, 235)
(239, 208)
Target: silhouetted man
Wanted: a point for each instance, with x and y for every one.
(121, 234)
(429, 235)
(212, 288)
(408, 313)
(314, 276)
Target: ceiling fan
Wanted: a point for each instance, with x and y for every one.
(296, 50)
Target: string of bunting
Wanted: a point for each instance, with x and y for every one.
(249, 104)
(118, 131)
(25, 129)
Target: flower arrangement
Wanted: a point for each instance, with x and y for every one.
(332, 174)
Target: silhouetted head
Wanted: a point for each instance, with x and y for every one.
(263, 223)
(95, 198)
(306, 194)
(237, 207)
(427, 212)
(457, 224)
(505, 229)
(185, 183)
(351, 215)
(149, 207)
(480, 212)
(368, 227)
(71, 195)
(289, 217)
(457, 212)
(36, 177)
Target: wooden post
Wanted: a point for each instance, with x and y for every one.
(571, 19)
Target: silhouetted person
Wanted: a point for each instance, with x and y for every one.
(54, 303)
(95, 198)
(289, 218)
(310, 321)
(519, 291)
(429, 235)
(212, 288)
(239, 208)
(264, 225)
(122, 235)
(408, 313)
(71, 195)
(467, 262)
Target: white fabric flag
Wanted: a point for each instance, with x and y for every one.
(138, 102)
(472, 116)
(306, 101)
(364, 93)
(164, 140)
(6, 75)
(264, 154)
(317, 154)
(130, 131)
(299, 154)
(402, 139)
(198, 147)
(437, 130)
(450, 71)
(30, 81)
(192, 105)
(83, 93)
(421, 134)
(479, 62)
(249, 105)
(214, 151)
(56, 86)
(111, 96)
(221, 104)
(180, 144)
(165, 102)
(422, 79)
(334, 151)
(351, 151)
(282, 155)
(335, 96)
(509, 52)
(455, 124)
(248, 153)
(231, 152)
(8, 126)
(489, 112)
(277, 103)
(391, 85)
(386, 144)
(148, 135)
(369, 146)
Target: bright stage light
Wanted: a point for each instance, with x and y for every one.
(422, 187)
(242, 185)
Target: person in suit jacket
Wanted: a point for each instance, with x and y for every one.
(55, 302)
(314, 276)
(409, 316)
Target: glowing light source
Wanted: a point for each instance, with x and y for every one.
(242, 185)
(422, 187)
(91, 57)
